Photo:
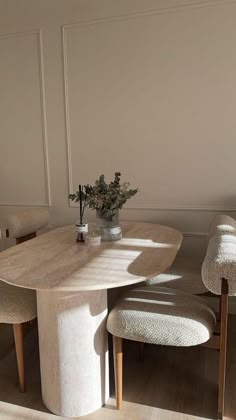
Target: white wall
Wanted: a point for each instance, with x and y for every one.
(145, 87)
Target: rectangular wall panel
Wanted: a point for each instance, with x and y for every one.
(154, 96)
(23, 153)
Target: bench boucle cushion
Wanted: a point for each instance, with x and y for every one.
(26, 221)
(161, 315)
(220, 262)
(17, 305)
(222, 224)
(184, 274)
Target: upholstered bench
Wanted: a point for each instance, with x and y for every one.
(166, 316)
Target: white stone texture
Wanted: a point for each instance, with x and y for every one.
(71, 281)
(73, 351)
(55, 261)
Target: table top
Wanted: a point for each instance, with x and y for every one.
(55, 261)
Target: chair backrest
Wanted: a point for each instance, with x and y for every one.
(220, 260)
(222, 224)
(25, 223)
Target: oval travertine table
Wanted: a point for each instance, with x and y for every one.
(71, 281)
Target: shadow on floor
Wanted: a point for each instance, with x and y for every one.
(179, 382)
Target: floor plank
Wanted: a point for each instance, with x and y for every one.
(171, 384)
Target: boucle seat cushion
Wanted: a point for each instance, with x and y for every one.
(184, 274)
(17, 305)
(26, 221)
(161, 315)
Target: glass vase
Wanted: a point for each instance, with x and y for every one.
(108, 225)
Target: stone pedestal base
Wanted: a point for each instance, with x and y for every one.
(73, 351)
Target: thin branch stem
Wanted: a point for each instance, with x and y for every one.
(85, 197)
(80, 205)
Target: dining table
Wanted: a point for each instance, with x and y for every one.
(71, 280)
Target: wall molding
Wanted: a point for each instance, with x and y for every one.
(67, 113)
(181, 208)
(213, 209)
(23, 204)
(150, 12)
(43, 116)
(65, 28)
(38, 33)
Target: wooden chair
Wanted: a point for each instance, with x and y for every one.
(18, 305)
(151, 314)
(185, 273)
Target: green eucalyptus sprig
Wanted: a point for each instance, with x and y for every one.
(105, 197)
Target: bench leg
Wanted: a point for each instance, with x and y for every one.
(19, 345)
(223, 349)
(118, 369)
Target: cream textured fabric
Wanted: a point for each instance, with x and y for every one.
(17, 305)
(222, 224)
(26, 221)
(220, 262)
(184, 274)
(161, 315)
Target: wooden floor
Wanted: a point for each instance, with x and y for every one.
(171, 384)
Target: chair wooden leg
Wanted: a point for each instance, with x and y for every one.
(223, 347)
(118, 368)
(141, 351)
(220, 303)
(19, 345)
